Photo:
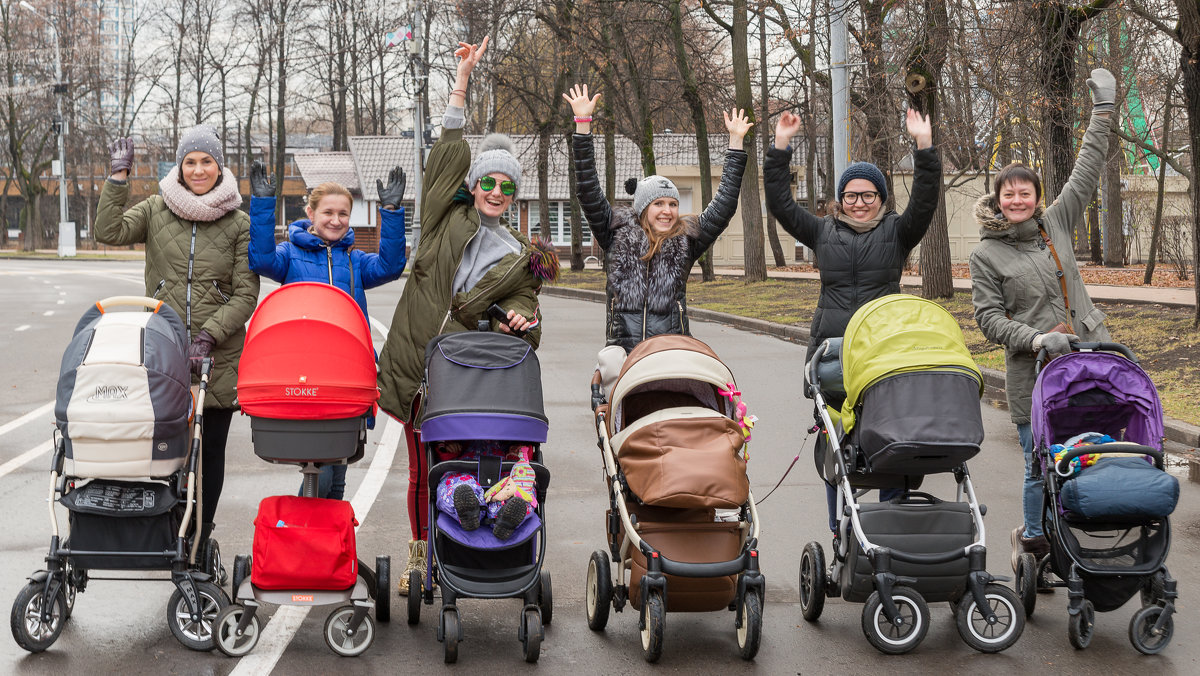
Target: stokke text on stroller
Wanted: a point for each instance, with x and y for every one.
(127, 472)
(307, 381)
(484, 386)
(1106, 500)
(897, 399)
(672, 452)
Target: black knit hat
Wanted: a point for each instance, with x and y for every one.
(863, 170)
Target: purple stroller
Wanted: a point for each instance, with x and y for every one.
(1107, 523)
(484, 386)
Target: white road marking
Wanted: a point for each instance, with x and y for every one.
(378, 326)
(19, 461)
(22, 327)
(48, 313)
(36, 413)
(60, 302)
(287, 619)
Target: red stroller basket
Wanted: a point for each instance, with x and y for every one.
(307, 374)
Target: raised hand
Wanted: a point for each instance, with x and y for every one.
(121, 157)
(919, 127)
(261, 184)
(738, 123)
(469, 55)
(581, 105)
(787, 127)
(1103, 87)
(392, 194)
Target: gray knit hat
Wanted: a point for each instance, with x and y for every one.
(203, 138)
(863, 170)
(497, 154)
(649, 189)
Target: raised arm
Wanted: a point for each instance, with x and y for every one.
(587, 183)
(114, 225)
(1071, 203)
(266, 257)
(386, 266)
(777, 184)
(451, 156)
(715, 217)
(927, 175)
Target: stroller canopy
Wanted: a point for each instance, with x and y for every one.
(1096, 392)
(482, 385)
(308, 355)
(896, 334)
(662, 369)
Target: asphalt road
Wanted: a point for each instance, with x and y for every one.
(119, 626)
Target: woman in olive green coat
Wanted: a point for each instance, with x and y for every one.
(197, 262)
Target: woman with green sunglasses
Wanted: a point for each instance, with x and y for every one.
(468, 259)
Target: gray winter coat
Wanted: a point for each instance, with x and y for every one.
(1015, 286)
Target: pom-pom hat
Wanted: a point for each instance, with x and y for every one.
(649, 189)
(497, 154)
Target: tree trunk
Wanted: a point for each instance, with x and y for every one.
(751, 207)
(879, 109)
(543, 165)
(937, 280)
(1096, 255)
(576, 210)
(1114, 213)
(1156, 229)
(772, 228)
(691, 95)
(1188, 31)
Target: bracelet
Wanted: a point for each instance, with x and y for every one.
(583, 119)
(459, 91)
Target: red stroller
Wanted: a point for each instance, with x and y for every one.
(307, 381)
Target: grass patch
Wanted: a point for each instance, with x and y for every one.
(1162, 337)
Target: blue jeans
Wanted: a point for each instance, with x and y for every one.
(1031, 495)
(331, 482)
(885, 494)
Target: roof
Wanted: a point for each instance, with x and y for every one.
(317, 168)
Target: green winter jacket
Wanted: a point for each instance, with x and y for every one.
(428, 307)
(1015, 287)
(224, 292)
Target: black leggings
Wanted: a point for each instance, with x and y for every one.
(212, 453)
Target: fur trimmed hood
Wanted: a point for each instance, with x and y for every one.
(656, 283)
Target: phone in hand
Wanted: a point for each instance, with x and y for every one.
(501, 315)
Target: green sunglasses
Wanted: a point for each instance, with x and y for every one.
(488, 183)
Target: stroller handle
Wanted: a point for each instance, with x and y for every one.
(1088, 347)
(111, 302)
(1062, 466)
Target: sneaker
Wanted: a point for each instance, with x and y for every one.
(1037, 545)
(511, 515)
(466, 506)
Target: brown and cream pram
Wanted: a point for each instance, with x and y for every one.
(682, 527)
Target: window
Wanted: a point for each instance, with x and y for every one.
(559, 223)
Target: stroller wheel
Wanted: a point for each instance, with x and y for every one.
(414, 597)
(225, 631)
(196, 634)
(1045, 580)
(1152, 591)
(812, 581)
(241, 571)
(654, 620)
(973, 625)
(598, 592)
(1142, 634)
(532, 634)
(895, 638)
(28, 628)
(451, 631)
(750, 633)
(211, 563)
(383, 588)
(546, 598)
(1027, 582)
(338, 636)
(1082, 625)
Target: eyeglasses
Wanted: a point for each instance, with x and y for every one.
(488, 183)
(867, 197)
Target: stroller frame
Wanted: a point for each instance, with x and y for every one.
(1151, 628)
(976, 610)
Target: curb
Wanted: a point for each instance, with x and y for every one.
(1177, 431)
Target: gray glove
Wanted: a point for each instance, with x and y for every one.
(392, 194)
(261, 184)
(1104, 91)
(1055, 343)
(121, 155)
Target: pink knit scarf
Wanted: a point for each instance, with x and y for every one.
(210, 206)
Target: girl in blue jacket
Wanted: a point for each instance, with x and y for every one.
(319, 250)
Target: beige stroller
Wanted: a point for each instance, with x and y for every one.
(682, 527)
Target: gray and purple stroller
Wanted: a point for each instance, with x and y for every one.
(1098, 431)
(482, 386)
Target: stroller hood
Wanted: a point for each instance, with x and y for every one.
(1096, 392)
(308, 355)
(897, 334)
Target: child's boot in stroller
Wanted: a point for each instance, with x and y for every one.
(466, 506)
(511, 515)
(416, 561)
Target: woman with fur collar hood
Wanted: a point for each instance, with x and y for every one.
(650, 249)
(1017, 290)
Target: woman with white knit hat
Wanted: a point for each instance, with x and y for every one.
(468, 258)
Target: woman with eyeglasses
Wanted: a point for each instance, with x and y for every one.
(468, 258)
(860, 247)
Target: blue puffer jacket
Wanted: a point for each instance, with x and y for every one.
(306, 257)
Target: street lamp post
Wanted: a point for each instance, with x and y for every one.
(66, 229)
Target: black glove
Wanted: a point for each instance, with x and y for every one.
(199, 349)
(392, 194)
(1104, 91)
(121, 155)
(261, 184)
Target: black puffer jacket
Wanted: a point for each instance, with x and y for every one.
(649, 298)
(856, 268)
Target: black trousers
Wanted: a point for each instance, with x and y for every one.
(212, 454)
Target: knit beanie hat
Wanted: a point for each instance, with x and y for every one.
(863, 170)
(649, 189)
(497, 154)
(203, 138)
